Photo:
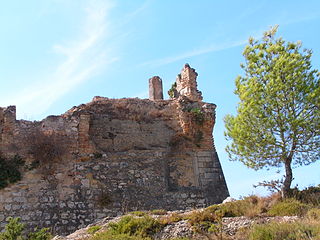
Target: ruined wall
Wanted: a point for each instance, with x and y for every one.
(111, 156)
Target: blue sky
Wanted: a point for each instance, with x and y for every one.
(55, 54)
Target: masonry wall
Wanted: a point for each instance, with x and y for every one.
(111, 156)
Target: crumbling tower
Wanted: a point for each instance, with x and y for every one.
(7, 126)
(187, 84)
(155, 88)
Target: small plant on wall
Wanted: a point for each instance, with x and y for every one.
(197, 115)
(45, 148)
(172, 90)
(10, 170)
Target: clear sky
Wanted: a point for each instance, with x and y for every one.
(55, 54)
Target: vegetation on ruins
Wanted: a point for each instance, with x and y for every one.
(46, 148)
(278, 116)
(10, 170)
(172, 90)
(198, 116)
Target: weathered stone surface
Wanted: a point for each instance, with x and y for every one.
(111, 156)
(155, 88)
(187, 84)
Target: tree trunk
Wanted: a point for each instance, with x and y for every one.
(288, 179)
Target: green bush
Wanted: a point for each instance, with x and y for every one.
(93, 229)
(172, 90)
(288, 207)
(41, 234)
(10, 170)
(250, 206)
(313, 214)
(197, 115)
(145, 226)
(310, 195)
(158, 212)
(109, 236)
(14, 231)
(138, 213)
(285, 231)
(174, 217)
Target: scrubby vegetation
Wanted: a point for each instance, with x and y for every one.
(130, 227)
(10, 170)
(208, 223)
(14, 230)
(286, 231)
(288, 207)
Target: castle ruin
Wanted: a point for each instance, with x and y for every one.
(111, 156)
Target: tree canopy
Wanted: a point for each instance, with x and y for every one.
(278, 116)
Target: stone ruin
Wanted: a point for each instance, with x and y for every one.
(111, 156)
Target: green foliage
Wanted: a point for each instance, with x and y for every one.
(93, 229)
(42, 234)
(158, 212)
(172, 90)
(310, 195)
(138, 213)
(109, 236)
(278, 116)
(288, 207)
(10, 170)
(174, 217)
(143, 227)
(285, 231)
(313, 214)
(198, 116)
(14, 231)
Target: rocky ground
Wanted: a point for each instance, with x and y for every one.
(182, 228)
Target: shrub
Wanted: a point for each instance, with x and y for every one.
(310, 195)
(93, 229)
(285, 231)
(108, 236)
(46, 148)
(250, 206)
(14, 231)
(288, 207)
(172, 91)
(143, 227)
(197, 115)
(174, 217)
(10, 170)
(158, 212)
(41, 234)
(138, 213)
(313, 214)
